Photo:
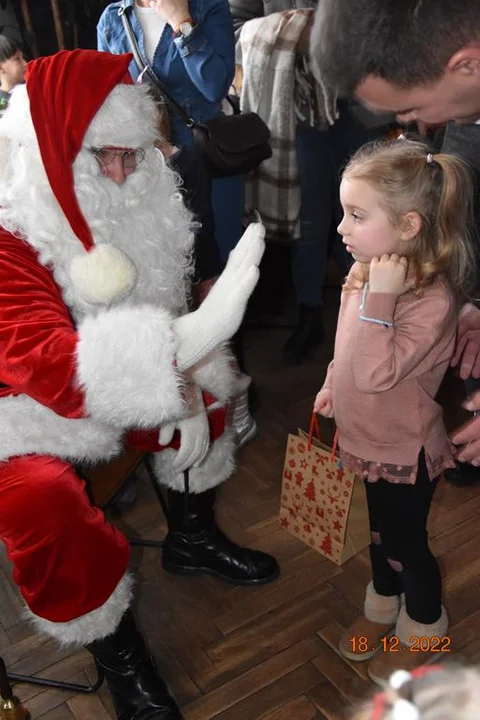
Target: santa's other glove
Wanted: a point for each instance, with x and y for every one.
(194, 433)
(220, 314)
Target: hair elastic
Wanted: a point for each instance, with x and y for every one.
(429, 158)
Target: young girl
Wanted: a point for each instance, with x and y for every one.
(405, 217)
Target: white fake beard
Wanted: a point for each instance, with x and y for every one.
(145, 218)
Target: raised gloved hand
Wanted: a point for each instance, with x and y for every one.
(220, 314)
(194, 433)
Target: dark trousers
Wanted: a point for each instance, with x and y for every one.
(322, 155)
(399, 512)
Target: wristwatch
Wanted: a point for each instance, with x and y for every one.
(185, 28)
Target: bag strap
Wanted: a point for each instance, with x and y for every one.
(315, 426)
(124, 12)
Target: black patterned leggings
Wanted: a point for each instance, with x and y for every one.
(400, 555)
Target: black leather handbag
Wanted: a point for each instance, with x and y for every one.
(229, 144)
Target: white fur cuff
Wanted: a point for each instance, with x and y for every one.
(125, 360)
(217, 466)
(95, 625)
(216, 373)
(406, 628)
(381, 608)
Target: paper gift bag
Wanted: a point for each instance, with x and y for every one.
(322, 503)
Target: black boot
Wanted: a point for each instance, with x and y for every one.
(195, 544)
(138, 691)
(308, 334)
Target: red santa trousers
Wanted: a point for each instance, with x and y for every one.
(67, 558)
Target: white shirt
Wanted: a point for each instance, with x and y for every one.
(152, 27)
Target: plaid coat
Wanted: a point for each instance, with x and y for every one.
(267, 52)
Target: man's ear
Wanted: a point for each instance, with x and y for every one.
(410, 225)
(466, 61)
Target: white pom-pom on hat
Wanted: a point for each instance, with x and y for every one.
(103, 275)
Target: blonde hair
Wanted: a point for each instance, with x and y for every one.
(439, 188)
(441, 693)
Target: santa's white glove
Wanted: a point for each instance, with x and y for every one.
(194, 434)
(220, 314)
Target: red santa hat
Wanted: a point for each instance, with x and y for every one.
(66, 91)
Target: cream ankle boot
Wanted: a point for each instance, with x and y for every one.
(364, 637)
(412, 645)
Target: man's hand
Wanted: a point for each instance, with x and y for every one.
(467, 351)
(323, 404)
(174, 12)
(468, 436)
(388, 274)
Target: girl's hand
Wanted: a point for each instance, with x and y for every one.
(323, 404)
(174, 12)
(388, 274)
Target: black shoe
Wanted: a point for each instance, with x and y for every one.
(308, 335)
(195, 544)
(138, 691)
(462, 475)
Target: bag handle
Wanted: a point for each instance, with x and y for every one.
(315, 426)
(124, 12)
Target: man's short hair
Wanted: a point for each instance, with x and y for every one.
(406, 42)
(8, 47)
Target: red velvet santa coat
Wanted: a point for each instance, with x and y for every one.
(79, 376)
(38, 362)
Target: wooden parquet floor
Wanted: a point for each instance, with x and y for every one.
(233, 653)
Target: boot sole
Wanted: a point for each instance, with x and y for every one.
(175, 570)
(359, 657)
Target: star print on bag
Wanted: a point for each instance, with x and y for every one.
(326, 500)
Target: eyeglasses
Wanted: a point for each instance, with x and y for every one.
(105, 156)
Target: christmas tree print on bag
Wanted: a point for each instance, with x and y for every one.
(322, 503)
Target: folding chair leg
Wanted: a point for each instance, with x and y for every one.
(161, 500)
(60, 684)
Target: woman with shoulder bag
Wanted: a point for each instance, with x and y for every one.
(190, 46)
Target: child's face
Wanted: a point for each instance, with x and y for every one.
(13, 69)
(366, 228)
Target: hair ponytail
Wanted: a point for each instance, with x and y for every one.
(454, 222)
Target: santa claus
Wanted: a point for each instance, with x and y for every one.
(97, 349)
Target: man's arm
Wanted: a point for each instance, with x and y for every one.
(467, 357)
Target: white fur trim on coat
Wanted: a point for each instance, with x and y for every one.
(217, 466)
(95, 625)
(216, 373)
(127, 118)
(126, 365)
(27, 427)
